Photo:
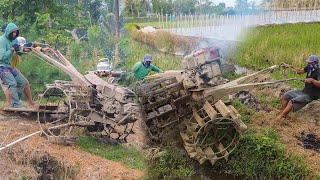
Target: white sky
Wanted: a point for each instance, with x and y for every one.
(231, 2)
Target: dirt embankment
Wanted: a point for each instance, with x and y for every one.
(294, 128)
(299, 132)
(36, 158)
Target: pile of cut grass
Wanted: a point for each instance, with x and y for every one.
(166, 41)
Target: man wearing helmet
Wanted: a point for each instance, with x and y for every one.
(296, 99)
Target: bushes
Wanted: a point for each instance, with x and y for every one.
(130, 27)
(141, 19)
(130, 54)
(260, 155)
(169, 164)
(166, 41)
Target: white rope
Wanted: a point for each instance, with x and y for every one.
(30, 135)
(21, 139)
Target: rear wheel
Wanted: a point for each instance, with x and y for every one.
(60, 116)
(213, 132)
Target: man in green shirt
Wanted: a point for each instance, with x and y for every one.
(141, 69)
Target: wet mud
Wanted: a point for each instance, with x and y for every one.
(246, 98)
(309, 141)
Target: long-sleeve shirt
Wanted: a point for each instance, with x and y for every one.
(140, 70)
(5, 45)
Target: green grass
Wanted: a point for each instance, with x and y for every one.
(245, 111)
(133, 52)
(291, 44)
(131, 158)
(170, 164)
(231, 76)
(269, 101)
(260, 153)
(283, 74)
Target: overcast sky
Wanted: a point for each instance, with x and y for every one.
(232, 2)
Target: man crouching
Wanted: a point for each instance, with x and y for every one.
(296, 99)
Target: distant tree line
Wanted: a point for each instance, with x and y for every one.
(178, 7)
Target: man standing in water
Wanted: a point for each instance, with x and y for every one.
(296, 99)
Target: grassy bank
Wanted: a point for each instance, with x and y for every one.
(276, 44)
(260, 153)
(266, 46)
(132, 52)
(131, 158)
(247, 160)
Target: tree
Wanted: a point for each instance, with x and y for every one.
(116, 13)
(241, 6)
(184, 6)
(162, 6)
(222, 5)
(129, 7)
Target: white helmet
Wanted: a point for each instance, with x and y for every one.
(21, 40)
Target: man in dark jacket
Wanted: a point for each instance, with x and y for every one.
(296, 99)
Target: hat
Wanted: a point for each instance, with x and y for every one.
(21, 40)
(147, 57)
(313, 58)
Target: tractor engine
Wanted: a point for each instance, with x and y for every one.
(202, 69)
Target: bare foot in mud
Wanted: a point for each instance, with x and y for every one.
(6, 106)
(285, 122)
(32, 105)
(281, 120)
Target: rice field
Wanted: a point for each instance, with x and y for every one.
(269, 45)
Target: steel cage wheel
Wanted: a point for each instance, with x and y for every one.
(55, 113)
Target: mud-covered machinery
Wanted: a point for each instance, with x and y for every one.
(88, 102)
(188, 102)
(202, 68)
(105, 69)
